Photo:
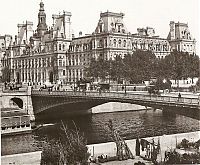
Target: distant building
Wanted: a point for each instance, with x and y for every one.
(185, 83)
(146, 39)
(51, 54)
(40, 56)
(180, 38)
(5, 42)
(110, 39)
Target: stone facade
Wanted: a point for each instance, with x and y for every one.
(111, 38)
(180, 38)
(49, 54)
(5, 42)
(40, 56)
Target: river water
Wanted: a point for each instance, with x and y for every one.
(130, 124)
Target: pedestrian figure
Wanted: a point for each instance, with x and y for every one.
(5, 84)
(137, 148)
(99, 90)
(122, 88)
(179, 96)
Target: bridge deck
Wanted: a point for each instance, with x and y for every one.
(117, 96)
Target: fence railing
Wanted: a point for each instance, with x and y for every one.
(118, 95)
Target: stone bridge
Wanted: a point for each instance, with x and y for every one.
(19, 99)
(77, 102)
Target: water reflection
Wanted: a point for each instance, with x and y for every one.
(129, 124)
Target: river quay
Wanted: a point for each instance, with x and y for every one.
(31, 158)
(167, 142)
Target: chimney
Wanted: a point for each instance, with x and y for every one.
(172, 30)
(16, 39)
(80, 33)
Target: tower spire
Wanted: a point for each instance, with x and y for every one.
(42, 26)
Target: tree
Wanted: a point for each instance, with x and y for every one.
(117, 69)
(99, 68)
(129, 67)
(91, 70)
(179, 65)
(69, 148)
(193, 66)
(6, 73)
(142, 65)
(54, 66)
(103, 68)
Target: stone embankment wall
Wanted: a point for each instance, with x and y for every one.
(22, 159)
(166, 142)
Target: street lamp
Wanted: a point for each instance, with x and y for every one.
(125, 86)
(126, 54)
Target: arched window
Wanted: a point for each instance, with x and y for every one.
(100, 43)
(119, 28)
(55, 47)
(63, 72)
(124, 43)
(120, 43)
(16, 102)
(100, 28)
(114, 42)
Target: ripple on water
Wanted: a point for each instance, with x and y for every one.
(129, 124)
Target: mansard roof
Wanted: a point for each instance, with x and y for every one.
(111, 22)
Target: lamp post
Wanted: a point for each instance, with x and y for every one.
(125, 87)
(124, 65)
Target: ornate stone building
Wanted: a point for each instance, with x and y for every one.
(180, 38)
(5, 42)
(111, 38)
(146, 39)
(40, 56)
(49, 54)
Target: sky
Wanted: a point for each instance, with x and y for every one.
(86, 13)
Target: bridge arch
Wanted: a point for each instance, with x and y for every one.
(16, 101)
(71, 101)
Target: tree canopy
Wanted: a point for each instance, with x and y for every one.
(6, 73)
(143, 65)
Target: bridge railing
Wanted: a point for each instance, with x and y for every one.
(114, 95)
(13, 91)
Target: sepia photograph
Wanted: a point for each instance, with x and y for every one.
(100, 82)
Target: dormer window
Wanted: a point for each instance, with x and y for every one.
(100, 43)
(100, 28)
(124, 43)
(119, 28)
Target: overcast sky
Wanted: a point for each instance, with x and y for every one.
(85, 14)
